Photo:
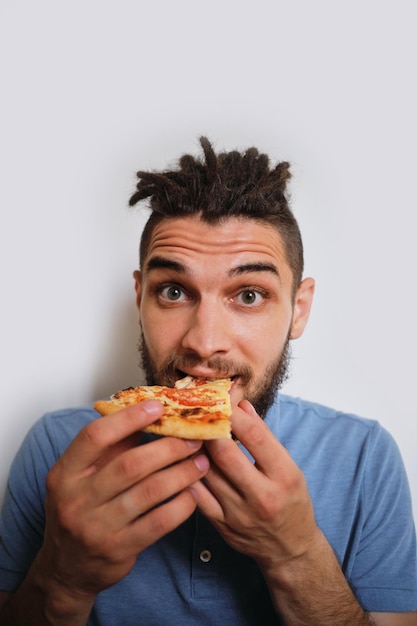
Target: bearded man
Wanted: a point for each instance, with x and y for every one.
(302, 518)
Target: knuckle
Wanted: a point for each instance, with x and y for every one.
(168, 517)
(172, 444)
(94, 434)
(53, 479)
(69, 518)
(176, 448)
(129, 465)
(84, 531)
(162, 485)
(223, 456)
(274, 502)
(152, 490)
(269, 509)
(58, 487)
(104, 544)
(294, 482)
(191, 470)
(161, 522)
(256, 433)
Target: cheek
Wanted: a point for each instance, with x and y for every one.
(263, 340)
(160, 334)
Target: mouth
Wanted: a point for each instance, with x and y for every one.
(177, 368)
(206, 375)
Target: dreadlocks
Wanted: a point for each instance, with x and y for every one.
(224, 185)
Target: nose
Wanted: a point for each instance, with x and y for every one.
(208, 332)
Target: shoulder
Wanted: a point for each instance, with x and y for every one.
(322, 438)
(47, 439)
(298, 408)
(326, 423)
(359, 488)
(60, 427)
(356, 458)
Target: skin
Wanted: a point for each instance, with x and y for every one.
(218, 298)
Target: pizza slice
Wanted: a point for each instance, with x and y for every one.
(195, 408)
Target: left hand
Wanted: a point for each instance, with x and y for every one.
(263, 509)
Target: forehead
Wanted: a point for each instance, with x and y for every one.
(191, 240)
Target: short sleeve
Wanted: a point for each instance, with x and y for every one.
(22, 518)
(384, 569)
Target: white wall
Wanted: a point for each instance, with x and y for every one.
(92, 90)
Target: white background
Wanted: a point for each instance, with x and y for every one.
(92, 90)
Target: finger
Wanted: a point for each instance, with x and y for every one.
(246, 406)
(220, 486)
(136, 464)
(147, 529)
(98, 436)
(207, 503)
(271, 458)
(235, 472)
(155, 490)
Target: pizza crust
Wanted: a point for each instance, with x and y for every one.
(191, 429)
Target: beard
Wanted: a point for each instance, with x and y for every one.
(260, 392)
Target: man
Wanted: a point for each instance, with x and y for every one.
(303, 518)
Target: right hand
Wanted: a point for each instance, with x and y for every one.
(108, 499)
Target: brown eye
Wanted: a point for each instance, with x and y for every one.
(173, 293)
(250, 297)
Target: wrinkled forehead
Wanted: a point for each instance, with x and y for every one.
(233, 235)
(192, 242)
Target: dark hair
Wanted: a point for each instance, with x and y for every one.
(224, 185)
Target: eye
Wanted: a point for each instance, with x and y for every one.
(172, 293)
(250, 297)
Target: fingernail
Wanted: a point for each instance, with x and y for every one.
(201, 462)
(194, 443)
(152, 407)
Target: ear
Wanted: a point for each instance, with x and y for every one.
(138, 287)
(302, 305)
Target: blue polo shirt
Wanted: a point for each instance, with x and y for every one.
(361, 499)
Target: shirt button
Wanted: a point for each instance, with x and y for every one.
(205, 556)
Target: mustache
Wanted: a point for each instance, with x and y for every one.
(224, 368)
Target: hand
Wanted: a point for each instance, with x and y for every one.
(262, 510)
(108, 499)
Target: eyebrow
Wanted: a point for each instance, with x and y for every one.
(254, 267)
(159, 262)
